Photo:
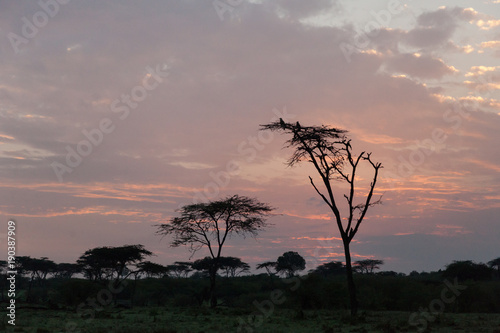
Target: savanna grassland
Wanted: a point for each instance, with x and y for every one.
(191, 320)
(260, 303)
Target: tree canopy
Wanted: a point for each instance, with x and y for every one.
(330, 269)
(495, 263)
(367, 266)
(151, 269)
(110, 263)
(211, 224)
(467, 270)
(289, 263)
(330, 152)
(268, 265)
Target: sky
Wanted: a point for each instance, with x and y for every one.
(115, 114)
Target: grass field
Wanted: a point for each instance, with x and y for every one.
(224, 320)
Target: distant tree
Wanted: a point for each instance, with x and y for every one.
(330, 152)
(67, 270)
(467, 270)
(390, 273)
(233, 266)
(414, 274)
(330, 269)
(495, 263)
(151, 269)
(37, 269)
(3, 278)
(110, 263)
(367, 266)
(201, 275)
(204, 264)
(289, 263)
(180, 269)
(268, 265)
(210, 224)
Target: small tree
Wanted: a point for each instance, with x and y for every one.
(203, 266)
(67, 270)
(330, 269)
(211, 224)
(330, 152)
(233, 266)
(464, 270)
(3, 278)
(268, 265)
(367, 266)
(180, 269)
(495, 263)
(151, 269)
(290, 263)
(110, 263)
(37, 269)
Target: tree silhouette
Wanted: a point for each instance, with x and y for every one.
(495, 263)
(180, 269)
(3, 278)
(152, 269)
(330, 269)
(268, 265)
(289, 263)
(233, 266)
(110, 263)
(367, 266)
(465, 270)
(37, 269)
(330, 152)
(67, 270)
(210, 224)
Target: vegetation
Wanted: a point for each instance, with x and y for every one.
(367, 266)
(331, 154)
(316, 302)
(149, 298)
(224, 320)
(210, 224)
(290, 263)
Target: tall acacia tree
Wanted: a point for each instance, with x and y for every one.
(330, 152)
(211, 224)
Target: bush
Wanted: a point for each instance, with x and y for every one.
(72, 292)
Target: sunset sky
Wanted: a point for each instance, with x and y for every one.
(115, 114)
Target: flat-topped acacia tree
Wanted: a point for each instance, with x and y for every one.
(329, 150)
(211, 224)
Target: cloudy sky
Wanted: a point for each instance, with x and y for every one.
(114, 114)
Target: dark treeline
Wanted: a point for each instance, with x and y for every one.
(42, 282)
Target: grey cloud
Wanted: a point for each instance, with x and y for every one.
(420, 66)
(225, 79)
(298, 9)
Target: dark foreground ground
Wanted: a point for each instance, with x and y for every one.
(224, 320)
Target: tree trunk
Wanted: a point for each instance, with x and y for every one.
(28, 294)
(213, 297)
(350, 280)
